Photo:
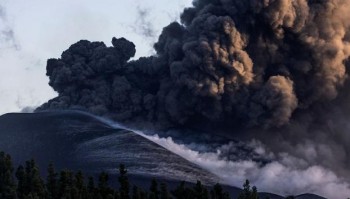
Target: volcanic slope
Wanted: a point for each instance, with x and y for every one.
(76, 140)
(80, 141)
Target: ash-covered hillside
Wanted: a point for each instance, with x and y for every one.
(79, 141)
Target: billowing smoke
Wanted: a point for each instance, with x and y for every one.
(276, 70)
(251, 62)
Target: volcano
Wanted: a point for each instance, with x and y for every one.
(77, 140)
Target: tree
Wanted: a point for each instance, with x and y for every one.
(30, 183)
(143, 194)
(38, 186)
(123, 182)
(217, 192)
(136, 192)
(65, 184)
(21, 179)
(200, 191)
(292, 197)
(154, 192)
(254, 193)
(248, 192)
(103, 187)
(79, 188)
(52, 182)
(103, 184)
(164, 194)
(181, 192)
(91, 185)
(7, 184)
(91, 190)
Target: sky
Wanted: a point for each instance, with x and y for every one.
(33, 31)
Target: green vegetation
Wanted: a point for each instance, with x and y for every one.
(26, 183)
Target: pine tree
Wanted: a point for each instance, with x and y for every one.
(143, 194)
(290, 197)
(37, 182)
(136, 193)
(248, 193)
(205, 193)
(123, 182)
(29, 181)
(79, 184)
(200, 191)
(7, 184)
(164, 194)
(254, 193)
(116, 195)
(103, 184)
(65, 184)
(21, 182)
(103, 187)
(79, 181)
(217, 192)
(52, 182)
(180, 191)
(91, 187)
(154, 192)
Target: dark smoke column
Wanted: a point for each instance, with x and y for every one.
(252, 62)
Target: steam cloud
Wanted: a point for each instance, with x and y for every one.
(275, 69)
(284, 174)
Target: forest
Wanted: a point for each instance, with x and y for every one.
(25, 182)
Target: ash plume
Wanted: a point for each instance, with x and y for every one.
(276, 70)
(252, 62)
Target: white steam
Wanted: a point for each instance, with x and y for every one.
(285, 175)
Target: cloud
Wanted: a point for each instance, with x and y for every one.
(143, 24)
(283, 174)
(28, 109)
(7, 35)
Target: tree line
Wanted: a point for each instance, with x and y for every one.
(26, 183)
